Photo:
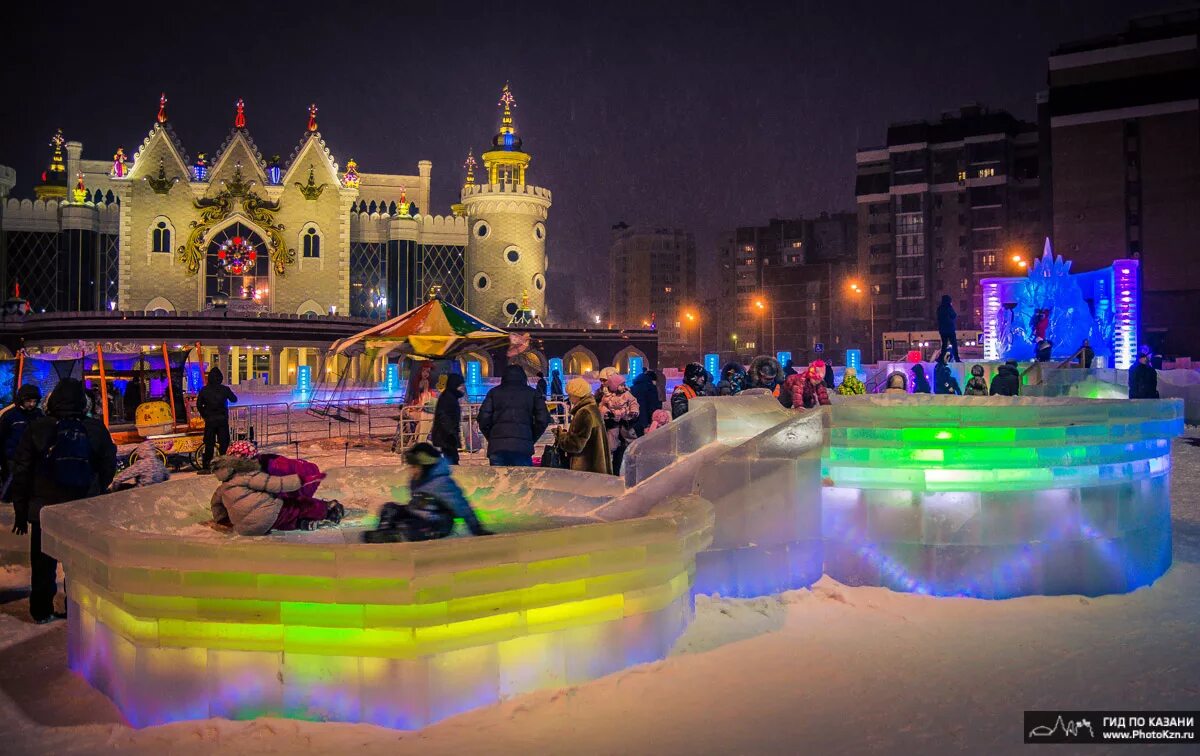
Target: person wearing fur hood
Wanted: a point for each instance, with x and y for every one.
(765, 373)
(252, 500)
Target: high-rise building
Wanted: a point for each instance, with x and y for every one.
(940, 206)
(781, 285)
(652, 280)
(1122, 117)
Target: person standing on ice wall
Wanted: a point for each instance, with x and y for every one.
(213, 405)
(64, 456)
(947, 327)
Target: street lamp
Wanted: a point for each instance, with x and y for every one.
(695, 318)
(762, 308)
(854, 287)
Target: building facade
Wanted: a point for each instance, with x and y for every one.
(782, 286)
(652, 280)
(944, 204)
(1122, 116)
(159, 230)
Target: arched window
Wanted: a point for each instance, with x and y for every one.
(310, 242)
(161, 237)
(231, 272)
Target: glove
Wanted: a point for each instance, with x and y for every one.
(21, 523)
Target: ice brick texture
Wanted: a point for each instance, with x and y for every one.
(174, 621)
(999, 497)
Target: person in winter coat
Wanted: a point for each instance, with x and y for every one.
(212, 403)
(1044, 349)
(733, 379)
(436, 501)
(693, 384)
(920, 382)
(13, 424)
(146, 470)
(512, 418)
(619, 410)
(765, 373)
(807, 389)
(828, 377)
(1041, 324)
(976, 385)
(63, 456)
(661, 418)
(1007, 381)
(1143, 380)
(310, 476)
(897, 383)
(541, 386)
(251, 499)
(584, 442)
(944, 380)
(645, 390)
(1086, 355)
(851, 386)
(556, 386)
(947, 327)
(447, 419)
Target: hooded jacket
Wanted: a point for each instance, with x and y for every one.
(1007, 381)
(1143, 381)
(851, 386)
(213, 400)
(694, 380)
(920, 381)
(944, 380)
(248, 498)
(897, 383)
(513, 416)
(33, 484)
(946, 316)
(733, 380)
(435, 481)
(976, 385)
(755, 378)
(585, 442)
(146, 471)
(645, 390)
(447, 416)
(15, 422)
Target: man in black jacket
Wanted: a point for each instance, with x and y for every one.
(947, 327)
(513, 416)
(64, 456)
(13, 425)
(212, 404)
(1143, 380)
(447, 419)
(1007, 381)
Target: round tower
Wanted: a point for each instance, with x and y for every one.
(506, 228)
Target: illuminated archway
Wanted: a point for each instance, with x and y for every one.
(621, 361)
(580, 360)
(485, 363)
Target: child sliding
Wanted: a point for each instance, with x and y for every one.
(436, 501)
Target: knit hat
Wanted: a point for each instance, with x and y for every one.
(578, 388)
(614, 381)
(423, 454)
(246, 449)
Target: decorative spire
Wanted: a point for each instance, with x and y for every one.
(508, 102)
(162, 108)
(312, 117)
(239, 120)
(525, 299)
(118, 168)
(470, 166)
(54, 179)
(350, 177)
(56, 160)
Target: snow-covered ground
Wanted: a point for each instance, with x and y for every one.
(828, 670)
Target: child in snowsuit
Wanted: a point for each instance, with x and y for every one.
(660, 418)
(976, 386)
(436, 501)
(147, 470)
(808, 389)
(251, 499)
(620, 411)
(851, 386)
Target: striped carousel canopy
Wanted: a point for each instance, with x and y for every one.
(435, 330)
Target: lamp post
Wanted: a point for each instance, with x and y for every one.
(762, 308)
(735, 349)
(693, 317)
(854, 287)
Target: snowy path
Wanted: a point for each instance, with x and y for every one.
(831, 670)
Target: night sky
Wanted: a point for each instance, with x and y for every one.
(704, 116)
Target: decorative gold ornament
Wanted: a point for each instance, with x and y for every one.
(310, 190)
(160, 183)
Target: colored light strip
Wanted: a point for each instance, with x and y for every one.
(1126, 311)
(984, 458)
(991, 312)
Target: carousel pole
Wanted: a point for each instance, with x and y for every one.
(170, 386)
(20, 369)
(103, 384)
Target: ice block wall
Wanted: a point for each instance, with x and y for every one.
(1001, 496)
(175, 621)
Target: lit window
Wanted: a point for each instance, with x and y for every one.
(987, 172)
(796, 245)
(162, 237)
(667, 289)
(962, 175)
(311, 243)
(963, 284)
(748, 248)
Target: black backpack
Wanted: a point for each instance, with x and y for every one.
(69, 458)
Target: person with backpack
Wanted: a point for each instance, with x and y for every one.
(63, 456)
(13, 425)
(213, 405)
(436, 501)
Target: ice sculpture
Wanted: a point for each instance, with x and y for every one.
(174, 621)
(999, 497)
